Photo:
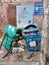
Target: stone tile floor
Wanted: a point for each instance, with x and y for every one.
(20, 59)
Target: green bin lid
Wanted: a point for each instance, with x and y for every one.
(10, 30)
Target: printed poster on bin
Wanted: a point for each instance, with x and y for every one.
(24, 15)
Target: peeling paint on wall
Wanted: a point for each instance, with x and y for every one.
(3, 17)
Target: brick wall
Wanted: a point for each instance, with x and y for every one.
(8, 13)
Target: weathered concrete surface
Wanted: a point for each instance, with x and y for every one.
(20, 59)
(20, 56)
(3, 18)
(18, 63)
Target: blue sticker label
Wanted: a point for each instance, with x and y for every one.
(38, 8)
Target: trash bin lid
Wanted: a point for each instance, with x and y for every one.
(31, 28)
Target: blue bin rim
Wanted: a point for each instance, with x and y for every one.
(34, 29)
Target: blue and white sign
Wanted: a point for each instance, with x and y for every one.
(38, 8)
(24, 15)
